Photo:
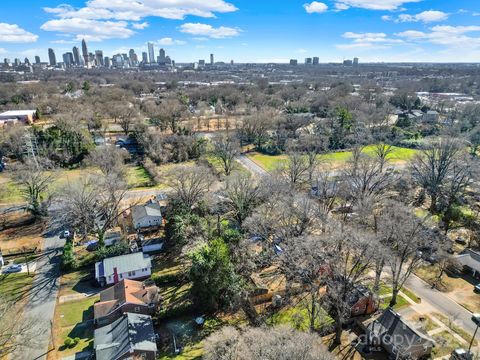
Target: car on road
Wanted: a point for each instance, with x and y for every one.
(14, 268)
(66, 234)
(477, 288)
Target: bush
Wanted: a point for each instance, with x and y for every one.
(118, 249)
(166, 278)
(181, 310)
(69, 342)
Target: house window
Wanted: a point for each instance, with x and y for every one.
(137, 309)
(121, 275)
(133, 273)
(109, 278)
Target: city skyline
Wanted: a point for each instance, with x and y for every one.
(247, 31)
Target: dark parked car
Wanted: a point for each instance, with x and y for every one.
(14, 268)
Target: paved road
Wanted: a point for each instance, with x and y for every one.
(442, 303)
(252, 166)
(42, 299)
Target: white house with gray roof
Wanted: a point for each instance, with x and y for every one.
(147, 216)
(134, 266)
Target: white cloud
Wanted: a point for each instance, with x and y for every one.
(139, 9)
(3, 51)
(315, 7)
(368, 40)
(168, 41)
(450, 36)
(386, 18)
(302, 51)
(425, 17)
(140, 26)
(209, 31)
(372, 4)
(13, 33)
(92, 30)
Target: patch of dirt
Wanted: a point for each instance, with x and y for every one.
(21, 231)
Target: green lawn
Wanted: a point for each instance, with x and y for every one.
(84, 331)
(335, 159)
(297, 316)
(138, 177)
(74, 312)
(15, 286)
(401, 302)
(411, 295)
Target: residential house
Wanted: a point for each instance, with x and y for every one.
(125, 296)
(130, 337)
(470, 260)
(400, 339)
(132, 266)
(431, 116)
(362, 301)
(147, 216)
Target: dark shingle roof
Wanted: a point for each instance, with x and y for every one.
(129, 333)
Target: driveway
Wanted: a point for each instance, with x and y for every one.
(42, 298)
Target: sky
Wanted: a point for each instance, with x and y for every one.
(248, 30)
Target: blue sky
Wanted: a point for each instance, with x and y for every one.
(248, 30)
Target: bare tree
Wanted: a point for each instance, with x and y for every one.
(303, 263)
(296, 168)
(109, 159)
(190, 183)
(382, 152)
(268, 343)
(433, 167)
(35, 180)
(226, 148)
(242, 195)
(94, 205)
(364, 179)
(350, 255)
(127, 117)
(404, 234)
(326, 189)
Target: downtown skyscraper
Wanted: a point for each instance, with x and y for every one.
(85, 52)
(151, 53)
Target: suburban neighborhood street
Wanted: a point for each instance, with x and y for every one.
(442, 304)
(42, 299)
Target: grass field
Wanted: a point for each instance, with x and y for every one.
(401, 302)
(333, 159)
(15, 287)
(138, 177)
(445, 344)
(297, 316)
(74, 319)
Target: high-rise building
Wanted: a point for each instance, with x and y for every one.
(26, 61)
(17, 62)
(347, 62)
(212, 59)
(37, 59)
(316, 60)
(85, 53)
(144, 57)
(308, 61)
(68, 59)
(51, 57)
(355, 61)
(151, 53)
(76, 55)
(107, 62)
(162, 56)
(293, 62)
(99, 57)
(201, 63)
